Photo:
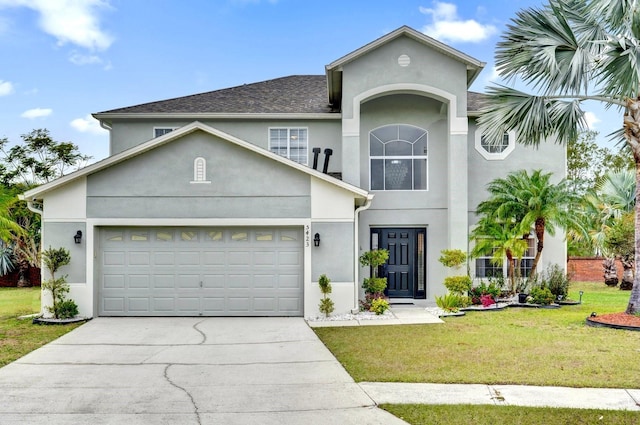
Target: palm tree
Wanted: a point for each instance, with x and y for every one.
(500, 239)
(530, 200)
(570, 52)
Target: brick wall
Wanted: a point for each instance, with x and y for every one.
(589, 269)
(11, 279)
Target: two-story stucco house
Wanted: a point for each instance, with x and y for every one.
(235, 201)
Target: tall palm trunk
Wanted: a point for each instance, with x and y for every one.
(510, 271)
(539, 228)
(632, 135)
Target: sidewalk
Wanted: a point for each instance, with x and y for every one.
(503, 395)
(397, 315)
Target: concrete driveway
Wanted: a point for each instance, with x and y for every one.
(185, 371)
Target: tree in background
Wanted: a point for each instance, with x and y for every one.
(39, 159)
(619, 241)
(587, 162)
(569, 52)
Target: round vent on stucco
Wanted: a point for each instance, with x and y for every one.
(404, 60)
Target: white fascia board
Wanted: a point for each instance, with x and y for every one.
(205, 115)
(37, 192)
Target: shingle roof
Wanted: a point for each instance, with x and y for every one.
(475, 101)
(296, 94)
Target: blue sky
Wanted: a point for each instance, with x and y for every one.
(61, 60)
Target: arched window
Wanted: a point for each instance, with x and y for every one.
(398, 157)
(200, 170)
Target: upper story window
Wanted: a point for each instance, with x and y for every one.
(291, 143)
(161, 131)
(496, 151)
(398, 157)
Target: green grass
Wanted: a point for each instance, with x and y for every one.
(19, 337)
(512, 346)
(512, 415)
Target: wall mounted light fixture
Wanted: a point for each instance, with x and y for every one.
(78, 236)
(316, 239)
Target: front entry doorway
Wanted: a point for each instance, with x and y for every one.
(406, 268)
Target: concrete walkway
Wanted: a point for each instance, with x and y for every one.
(504, 395)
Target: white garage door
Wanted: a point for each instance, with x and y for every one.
(168, 271)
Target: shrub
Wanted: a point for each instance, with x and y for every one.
(379, 306)
(541, 296)
(458, 284)
(452, 302)
(53, 260)
(487, 300)
(452, 257)
(492, 289)
(326, 304)
(557, 281)
(374, 285)
(67, 309)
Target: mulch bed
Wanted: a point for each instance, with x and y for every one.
(616, 320)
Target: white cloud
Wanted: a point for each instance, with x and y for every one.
(69, 21)
(37, 113)
(80, 59)
(447, 26)
(592, 120)
(6, 88)
(88, 124)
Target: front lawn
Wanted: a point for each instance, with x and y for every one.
(512, 346)
(19, 337)
(514, 415)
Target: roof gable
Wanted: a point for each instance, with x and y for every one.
(38, 192)
(334, 69)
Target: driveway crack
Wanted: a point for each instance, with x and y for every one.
(195, 406)
(204, 336)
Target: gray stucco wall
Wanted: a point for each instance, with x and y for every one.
(60, 235)
(334, 256)
(380, 67)
(158, 184)
(322, 133)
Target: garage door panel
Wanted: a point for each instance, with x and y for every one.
(188, 281)
(211, 305)
(265, 304)
(163, 304)
(264, 281)
(201, 271)
(114, 258)
(113, 305)
(138, 304)
(139, 281)
(188, 305)
(289, 281)
(238, 281)
(164, 281)
(164, 258)
(111, 281)
(213, 281)
(214, 258)
(139, 258)
(289, 258)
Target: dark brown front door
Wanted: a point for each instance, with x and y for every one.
(405, 269)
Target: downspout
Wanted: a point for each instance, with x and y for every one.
(356, 240)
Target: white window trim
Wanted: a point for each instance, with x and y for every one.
(496, 156)
(288, 138)
(425, 157)
(162, 128)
